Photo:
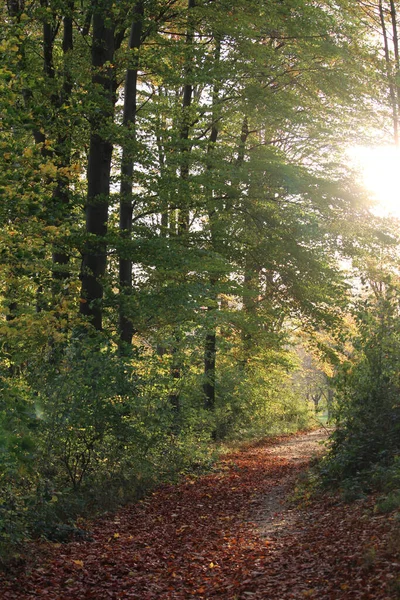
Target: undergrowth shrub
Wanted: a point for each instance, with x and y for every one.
(259, 401)
(365, 446)
(84, 430)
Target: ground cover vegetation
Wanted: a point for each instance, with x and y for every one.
(173, 207)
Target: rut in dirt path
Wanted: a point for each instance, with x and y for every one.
(202, 539)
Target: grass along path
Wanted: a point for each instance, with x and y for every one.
(230, 535)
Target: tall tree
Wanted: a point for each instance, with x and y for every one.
(127, 167)
(94, 256)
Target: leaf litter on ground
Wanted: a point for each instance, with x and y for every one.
(231, 534)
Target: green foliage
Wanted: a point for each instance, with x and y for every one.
(388, 503)
(366, 441)
(81, 430)
(259, 400)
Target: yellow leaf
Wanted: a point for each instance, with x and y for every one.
(78, 563)
(48, 169)
(116, 536)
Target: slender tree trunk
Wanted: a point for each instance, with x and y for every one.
(49, 73)
(393, 15)
(61, 196)
(94, 256)
(251, 282)
(210, 346)
(244, 134)
(165, 200)
(15, 9)
(184, 211)
(162, 160)
(176, 375)
(330, 399)
(389, 72)
(183, 217)
(251, 274)
(127, 164)
(210, 356)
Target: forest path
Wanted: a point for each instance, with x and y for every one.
(276, 513)
(231, 535)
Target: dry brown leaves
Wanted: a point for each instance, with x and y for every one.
(197, 540)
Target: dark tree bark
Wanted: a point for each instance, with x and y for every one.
(393, 15)
(61, 196)
(184, 211)
(48, 35)
(210, 356)
(165, 200)
(187, 96)
(127, 164)
(210, 346)
(94, 256)
(389, 72)
(251, 272)
(165, 217)
(251, 283)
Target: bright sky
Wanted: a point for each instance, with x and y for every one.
(380, 168)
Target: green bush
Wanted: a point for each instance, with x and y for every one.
(388, 503)
(367, 435)
(83, 430)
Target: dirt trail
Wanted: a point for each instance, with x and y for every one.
(230, 535)
(275, 512)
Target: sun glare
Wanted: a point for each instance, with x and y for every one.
(380, 170)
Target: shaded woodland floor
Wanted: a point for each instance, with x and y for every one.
(231, 534)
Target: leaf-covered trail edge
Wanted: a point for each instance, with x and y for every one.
(229, 534)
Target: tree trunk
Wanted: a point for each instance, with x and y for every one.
(125, 216)
(393, 15)
(251, 282)
(184, 211)
(389, 72)
(183, 215)
(210, 355)
(210, 347)
(61, 194)
(94, 256)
